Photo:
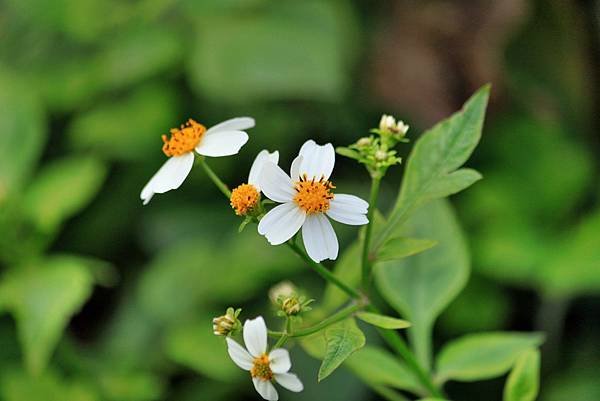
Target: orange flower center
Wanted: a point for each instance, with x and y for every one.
(313, 196)
(184, 139)
(262, 368)
(244, 198)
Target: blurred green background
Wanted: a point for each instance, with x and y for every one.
(103, 299)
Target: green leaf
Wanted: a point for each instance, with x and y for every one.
(42, 298)
(430, 171)
(62, 189)
(382, 321)
(377, 367)
(483, 356)
(22, 134)
(342, 340)
(524, 379)
(573, 267)
(420, 287)
(129, 129)
(401, 247)
(16, 385)
(194, 345)
(240, 56)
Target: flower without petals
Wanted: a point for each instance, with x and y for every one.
(246, 196)
(264, 367)
(307, 200)
(224, 139)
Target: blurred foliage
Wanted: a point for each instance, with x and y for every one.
(105, 300)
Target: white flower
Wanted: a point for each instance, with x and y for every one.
(246, 196)
(224, 139)
(388, 123)
(263, 367)
(307, 200)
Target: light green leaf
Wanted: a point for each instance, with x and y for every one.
(22, 134)
(376, 367)
(401, 247)
(420, 287)
(129, 129)
(382, 321)
(452, 183)
(42, 298)
(573, 267)
(524, 379)
(62, 189)
(239, 56)
(483, 356)
(17, 385)
(342, 340)
(435, 157)
(194, 345)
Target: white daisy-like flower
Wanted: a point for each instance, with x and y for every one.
(224, 139)
(264, 367)
(246, 196)
(307, 200)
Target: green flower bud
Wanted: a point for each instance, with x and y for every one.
(228, 323)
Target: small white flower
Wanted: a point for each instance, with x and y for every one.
(246, 196)
(306, 199)
(388, 123)
(224, 139)
(263, 367)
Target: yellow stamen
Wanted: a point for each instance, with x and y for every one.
(184, 139)
(244, 198)
(313, 196)
(262, 368)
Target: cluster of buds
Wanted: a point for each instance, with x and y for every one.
(289, 304)
(227, 324)
(376, 151)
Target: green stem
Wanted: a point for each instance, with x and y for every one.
(399, 345)
(389, 394)
(366, 263)
(336, 317)
(211, 174)
(323, 271)
(281, 341)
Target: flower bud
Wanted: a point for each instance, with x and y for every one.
(381, 155)
(362, 142)
(389, 124)
(227, 323)
(283, 289)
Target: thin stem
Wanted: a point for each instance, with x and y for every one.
(366, 263)
(336, 317)
(399, 345)
(281, 341)
(324, 272)
(389, 394)
(211, 174)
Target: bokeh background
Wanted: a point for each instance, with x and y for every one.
(103, 299)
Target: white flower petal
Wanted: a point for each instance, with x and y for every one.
(234, 124)
(276, 184)
(258, 164)
(170, 176)
(255, 336)
(280, 360)
(266, 389)
(281, 223)
(239, 355)
(318, 160)
(222, 143)
(319, 238)
(348, 209)
(295, 169)
(290, 381)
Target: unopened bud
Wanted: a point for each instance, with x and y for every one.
(283, 289)
(227, 323)
(381, 155)
(362, 142)
(389, 124)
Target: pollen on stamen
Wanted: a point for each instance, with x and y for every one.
(244, 198)
(183, 139)
(313, 196)
(261, 368)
